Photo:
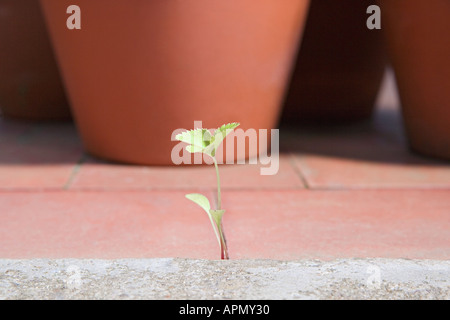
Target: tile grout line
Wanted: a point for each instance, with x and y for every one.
(74, 172)
(298, 171)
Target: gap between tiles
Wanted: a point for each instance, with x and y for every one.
(299, 172)
(74, 172)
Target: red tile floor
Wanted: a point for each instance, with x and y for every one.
(354, 191)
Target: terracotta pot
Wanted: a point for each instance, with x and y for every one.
(340, 65)
(418, 38)
(137, 69)
(30, 85)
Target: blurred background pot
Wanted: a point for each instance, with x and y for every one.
(418, 36)
(339, 67)
(137, 69)
(30, 84)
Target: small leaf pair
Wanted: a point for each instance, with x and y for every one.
(201, 140)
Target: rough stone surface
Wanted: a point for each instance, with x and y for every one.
(174, 278)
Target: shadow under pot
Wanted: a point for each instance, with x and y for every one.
(340, 66)
(30, 84)
(417, 34)
(138, 70)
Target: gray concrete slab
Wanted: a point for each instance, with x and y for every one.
(173, 278)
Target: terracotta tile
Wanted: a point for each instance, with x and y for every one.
(95, 174)
(367, 155)
(259, 224)
(370, 165)
(339, 224)
(103, 225)
(39, 177)
(323, 172)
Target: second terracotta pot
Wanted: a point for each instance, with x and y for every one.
(418, 34)
(30, 84)
(137, 69)
(339, 68)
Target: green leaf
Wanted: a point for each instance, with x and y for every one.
(219, 136)
(194, 149)
(199, 138)
(203, 202)
(229, 126)
(217, 216)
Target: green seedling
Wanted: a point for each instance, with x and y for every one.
(203, 141)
